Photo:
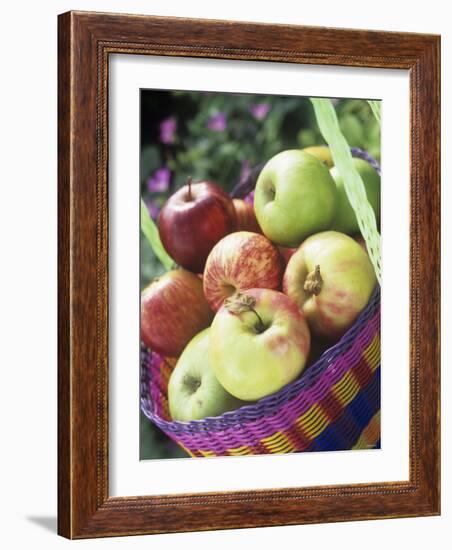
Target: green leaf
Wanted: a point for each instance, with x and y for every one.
(151, 233)
(354, 187)
(375, 106)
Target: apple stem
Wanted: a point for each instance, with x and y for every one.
(314, 282)
(189, 180)
(240, 303)
(261, 326)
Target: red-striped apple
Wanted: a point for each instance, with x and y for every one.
(173, 310)
(331, 279)
(193, 220)
(246, 217)
(259, 342)
(240, 261)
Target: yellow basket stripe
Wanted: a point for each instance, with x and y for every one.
(346, 388)
(372, 353)
(278, 443)
(313, 421)
(207, 453)
(238, 451)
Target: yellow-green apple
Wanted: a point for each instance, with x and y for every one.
(239, 261)
(295, 197)
(193, 389)
(345, 217)
(173, 310)
(322, 152)
(360, 240)
(331, 279)
(246, 218)
(259, 342)
(193, 220)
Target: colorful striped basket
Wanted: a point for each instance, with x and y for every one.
(333, 405)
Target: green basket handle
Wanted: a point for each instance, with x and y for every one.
(353, 183)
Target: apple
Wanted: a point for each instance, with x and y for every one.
(295, 197)
(246, 218)
(259, 342)
(322, 152)
(286, 253)
(331, 279)
(345, 217)
(193, 220)
(361, 241)
(239, 261)
(193, 390)
(173, 310)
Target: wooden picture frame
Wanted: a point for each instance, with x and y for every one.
(85, 42)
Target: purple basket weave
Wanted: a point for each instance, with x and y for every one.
(334, 404)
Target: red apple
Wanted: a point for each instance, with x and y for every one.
(193, 220)
(331, 279)
(246, 218)
(173, 310)
(240, 261)
(286, 253)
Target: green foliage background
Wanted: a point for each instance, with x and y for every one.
(243, 140)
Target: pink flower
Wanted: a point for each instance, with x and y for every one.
(259, 110)
(159, 181)
(217, 122)
(168, 128)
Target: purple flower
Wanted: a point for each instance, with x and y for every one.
(159, 181)
(259, 110)
(217, 122)
(153, 209)
(168, 128)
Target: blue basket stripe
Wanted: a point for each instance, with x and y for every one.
(345, 432)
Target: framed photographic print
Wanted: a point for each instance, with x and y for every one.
(248, 275)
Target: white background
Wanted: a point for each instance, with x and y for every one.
(28, 270)
(128, 477)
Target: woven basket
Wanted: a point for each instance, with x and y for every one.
(333, 405)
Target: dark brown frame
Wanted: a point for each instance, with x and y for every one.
(84, 44)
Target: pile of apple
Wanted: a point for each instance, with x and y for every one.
(259, 287)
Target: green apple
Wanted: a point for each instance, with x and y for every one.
(331, 278)
(322, 152)
(345, 218)
(193, 390)
(259, 342)
(295, 196)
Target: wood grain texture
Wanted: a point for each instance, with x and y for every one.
(64, 296)
(85, 42)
